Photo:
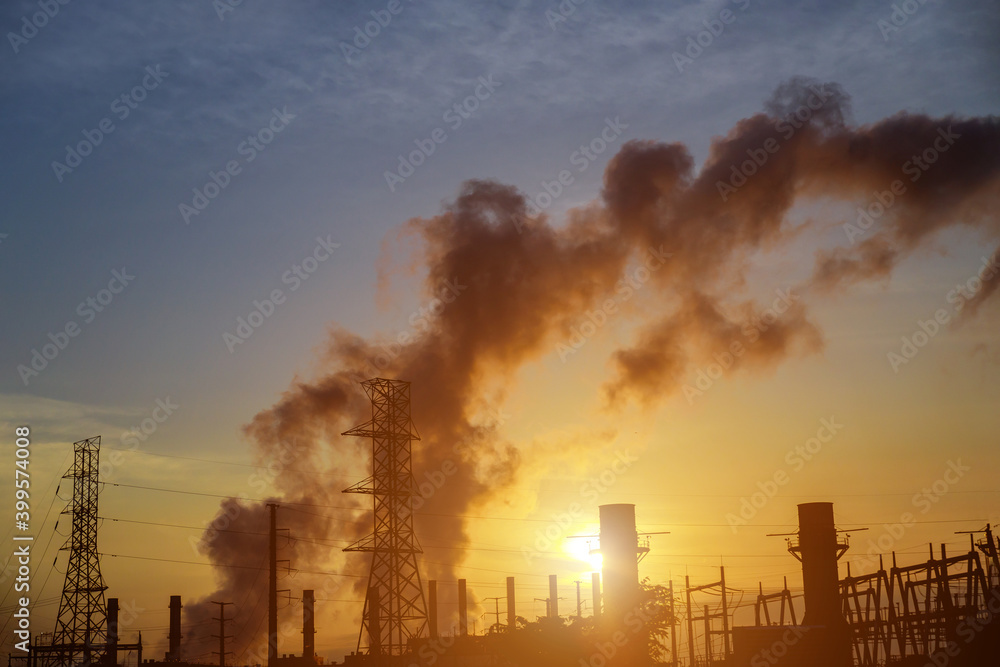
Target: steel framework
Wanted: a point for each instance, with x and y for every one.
(909, 611)
(81, 634)
(395, 610)
(762, 607)
(716, 652)
(913, 610)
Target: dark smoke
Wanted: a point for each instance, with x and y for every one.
(512, 287)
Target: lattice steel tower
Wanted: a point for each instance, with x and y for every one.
(395, 610)
(81, 633)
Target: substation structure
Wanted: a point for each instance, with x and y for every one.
(942, 611)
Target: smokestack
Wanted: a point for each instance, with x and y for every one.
(595, 587)
(174, 649)
(511, 612)
(308, 624)
(432, 608)
(272, 590)
(112, 653)
(463, 609)
(619, 549)
(553, 597)
(819, 550)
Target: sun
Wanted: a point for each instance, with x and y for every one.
(580, 549)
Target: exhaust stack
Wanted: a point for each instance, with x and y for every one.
(828, 642)
(463, 609)
(432, 608)
(112, 654)
(620, 551)
(174, 639)
(308, 624)
(511, 613)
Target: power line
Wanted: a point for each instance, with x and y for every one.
(226, 463)
(491, 518)
(229, 565)
(228, 497)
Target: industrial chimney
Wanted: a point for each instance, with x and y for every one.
(463, 609)
(111, 656)
(619, 549)
(308, 625)
(818, 548)
(174, 649)
(432, 608)
(511, 608)
(553, 597)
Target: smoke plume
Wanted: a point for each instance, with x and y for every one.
(668, 244)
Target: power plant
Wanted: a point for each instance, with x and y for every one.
(941, 611)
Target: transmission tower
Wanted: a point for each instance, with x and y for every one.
(395, 610)
(81, 634)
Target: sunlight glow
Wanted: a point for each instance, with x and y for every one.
(579, 549)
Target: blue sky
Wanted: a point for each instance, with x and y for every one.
(325, 173)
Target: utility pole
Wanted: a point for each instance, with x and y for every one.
(511, 610)
(222, 632)
(272, 589)
(579, 604)
(546, 601)
(497, 604)
(553, 596)
(673, 627)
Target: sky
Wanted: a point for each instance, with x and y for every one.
(555, 220)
